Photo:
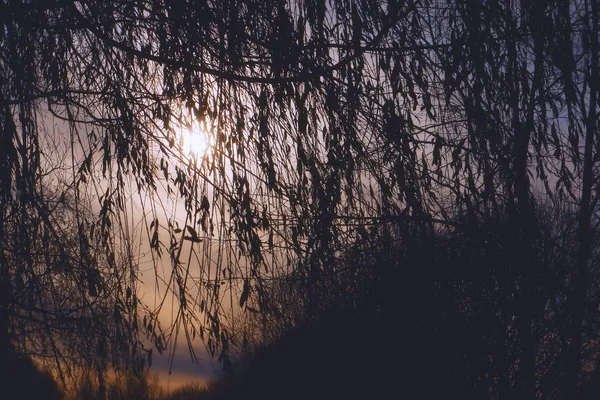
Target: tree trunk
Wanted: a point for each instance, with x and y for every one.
(6, 132)
(585, 213)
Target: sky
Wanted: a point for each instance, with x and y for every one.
(175, 367)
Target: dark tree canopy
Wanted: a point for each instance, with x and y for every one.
(332, 124)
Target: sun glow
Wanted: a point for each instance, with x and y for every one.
(195, 142)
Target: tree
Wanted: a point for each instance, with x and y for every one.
(326, 119)
(64, 298)
(120, 75)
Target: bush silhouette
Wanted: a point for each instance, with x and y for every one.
(325, 359)
(24, 381)
(343, 356)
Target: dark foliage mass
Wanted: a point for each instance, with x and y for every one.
(429, 314)
(386, 159)
(24, 380)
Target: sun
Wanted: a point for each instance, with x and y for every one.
(195, 142)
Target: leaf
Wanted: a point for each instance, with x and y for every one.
(192, 231)
(436, 152)
(245, 293)
(92, 281)
(193, 235)
(194, 239)
(154, 240)
(265, 219)
(205, 204)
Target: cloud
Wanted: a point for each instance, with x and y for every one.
(183, 369)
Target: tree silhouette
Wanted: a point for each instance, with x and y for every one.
(450, 317)
(26, 381)
(332, 124)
